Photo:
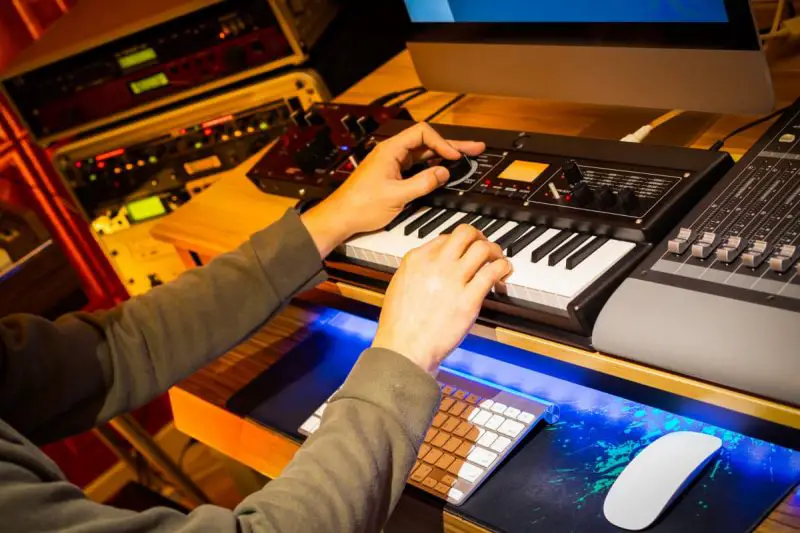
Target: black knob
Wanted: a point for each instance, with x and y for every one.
(581, 194)
(310, 158)
(628, 199)
(572, 172)
(295, 104)
(368, 124)
(351, 124)
(314, 118)
(458, 168)
(299, 119)
(604, 197)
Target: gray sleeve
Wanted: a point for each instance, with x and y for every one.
(346, 478)
(60, 378)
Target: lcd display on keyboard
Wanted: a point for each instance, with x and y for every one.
(474, 429)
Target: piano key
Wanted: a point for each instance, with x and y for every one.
(578, 257)
(494, 227)
(481, 223)
(593, 267)
(422, 220)
(545, 249)
(520, 244)
(401, 217)
(566, 249)
(467, 218)
(510, 236)
(437, 221)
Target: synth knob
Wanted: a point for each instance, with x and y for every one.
(581, 194)
(628, 199)
(460, 169)
(572, 172)
(605, 197)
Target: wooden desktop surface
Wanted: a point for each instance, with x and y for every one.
(224, 216)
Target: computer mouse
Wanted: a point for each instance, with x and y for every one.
(656, 476)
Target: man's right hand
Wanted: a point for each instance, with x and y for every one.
(436, 294)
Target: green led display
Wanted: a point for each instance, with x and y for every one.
(149, 83)
(137, 58)
(145, 209)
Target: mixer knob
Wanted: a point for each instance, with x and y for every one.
(628, 199)
(368, 124)
(705, 245)
(312, 156)
(731, 249)
(460, 169)
(681, 242)
(756, 254)
(299, 119)
(314, 118)
(572, 172)
(581, 194)
(605, 197)
(352, 125)
(784, 258)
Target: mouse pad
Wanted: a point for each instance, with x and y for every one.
(557, 479)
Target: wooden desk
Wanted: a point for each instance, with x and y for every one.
(225, 215)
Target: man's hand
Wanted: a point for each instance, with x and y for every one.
(436, 294)
(376, 192)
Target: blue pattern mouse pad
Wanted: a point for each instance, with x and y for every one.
(557, 479)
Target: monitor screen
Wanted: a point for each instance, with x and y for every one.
(572, 11)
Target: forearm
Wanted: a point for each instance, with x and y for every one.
(350, 474)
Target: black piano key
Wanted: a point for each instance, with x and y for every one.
(566, 249)
(402, 217)
(545, 249)
(581, 255)
(494, 227)
(440, 219)
(520, 244)
(418, 222)
(481, 223)
(469, 218)
(510, 236)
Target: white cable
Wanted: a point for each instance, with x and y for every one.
(638, 135)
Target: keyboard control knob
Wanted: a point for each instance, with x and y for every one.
(460, 169)
(572, 172)
(605, 197)
(312, 156)
(581, 194)
(628, 199)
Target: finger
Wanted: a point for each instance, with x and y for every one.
(478, 254)
(487, 277)
(468, 147)
(418, 136)
(422, 183)
(460, 240)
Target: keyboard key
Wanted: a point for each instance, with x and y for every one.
(511, 428)
(439, 419)
(525, 417)
(420, 221)
(423, 451)
(520, 244)
(430, 434)
(481, 223)
(499, 408)
(581, 255)
(471, 410)
(566, 249)
(495, 422)
(441, 487)
(438, 220)
(311, 425)
(401, 217)
(512, 412)
(429, 482)
(448, 389)
(487, 404)
(451, 424)
(455, 495)
(494, 227)
(448, 480)
(545, 249)
(446, 404)
(462, 429)
(473, 399)
(481, 418)
(432, 456)
(460, 394)
(443, 437)
(468, 218)
(500, 444)
(504, 240)
(487, 439)
(474, 434)
(452, 444)
(464, 449)
(455, 467)
(482, 457)
(457, 409)
(421, 473)
(321, 409)
(444, 461)
(470, 472)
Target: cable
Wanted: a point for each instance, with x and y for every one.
(445, 107)
(721, 142)
(382, 100)
(407, 99)
(642, 133)
(776, 22)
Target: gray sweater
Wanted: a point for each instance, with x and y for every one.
(60, 378)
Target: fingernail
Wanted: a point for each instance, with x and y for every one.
(441, 173)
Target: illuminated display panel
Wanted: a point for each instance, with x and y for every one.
(137, 58)
(525, 171)
(150, 83)
(145, 209)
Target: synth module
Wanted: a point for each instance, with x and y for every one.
(719, 297)
(574, 215)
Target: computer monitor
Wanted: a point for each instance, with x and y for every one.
(702, 55)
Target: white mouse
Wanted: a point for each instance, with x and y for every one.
(656, 477)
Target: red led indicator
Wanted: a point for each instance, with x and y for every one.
(218, 120)
(207, 131)
(183, 131)
(222, 35)
(108, 155)
(101, 165)
(568, 197)
(78, 164)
